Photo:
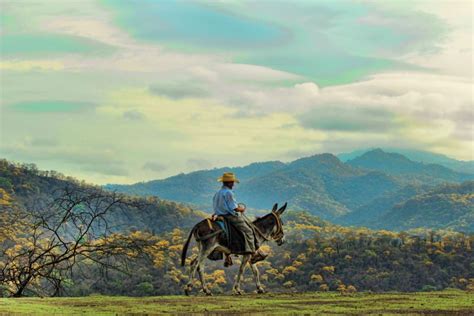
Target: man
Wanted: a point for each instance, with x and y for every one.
(225, 205)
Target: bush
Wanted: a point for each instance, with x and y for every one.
(144, 288)
(428, 288)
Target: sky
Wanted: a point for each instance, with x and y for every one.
(126, 91)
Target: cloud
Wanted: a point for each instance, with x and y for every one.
(341, 75)
(96, 160)
(133, 115)
(415, 109)
(261, 100)
(43, 142)
(179, 90)
(37, 45)
(107, 169)
(454, 54)
(192, 24)
(50, 106)
(326, 42)
(29, 65)
(344, 118)
(464, 119)
(196, 163)
(154, 166)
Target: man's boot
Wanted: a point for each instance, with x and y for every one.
(228, 261)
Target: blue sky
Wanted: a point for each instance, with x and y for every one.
(124, 91)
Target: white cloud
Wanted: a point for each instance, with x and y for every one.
(170, 112)
(426, 110)
(454, 56)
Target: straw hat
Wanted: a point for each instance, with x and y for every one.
(228, 177)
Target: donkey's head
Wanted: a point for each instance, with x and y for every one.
(277, 233)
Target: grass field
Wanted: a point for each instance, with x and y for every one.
(450, 302)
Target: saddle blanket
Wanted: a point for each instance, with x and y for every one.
(232, 239)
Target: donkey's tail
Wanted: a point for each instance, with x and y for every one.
(185, 247)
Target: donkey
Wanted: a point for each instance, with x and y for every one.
(209, 237)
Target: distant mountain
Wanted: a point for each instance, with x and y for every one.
(197, 187)
(357, 192)
(320, 184)
(449, 206)
(404, 168)
(367, 214)
(377, 190)
(418, 156)
(344, 157)
(23, 183)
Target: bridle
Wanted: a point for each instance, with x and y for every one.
(276, 235)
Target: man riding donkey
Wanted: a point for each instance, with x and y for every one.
(229, 231)
(225, 205)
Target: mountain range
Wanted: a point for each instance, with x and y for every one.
(25, 186)
(374, 189)
(418, 156)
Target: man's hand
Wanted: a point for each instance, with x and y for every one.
(240, 209)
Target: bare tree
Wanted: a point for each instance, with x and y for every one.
(54, 235)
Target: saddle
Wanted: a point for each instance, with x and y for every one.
(230, 237)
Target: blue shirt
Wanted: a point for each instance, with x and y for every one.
(224, 202)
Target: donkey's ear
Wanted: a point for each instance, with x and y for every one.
(282, 209)
(275, 206)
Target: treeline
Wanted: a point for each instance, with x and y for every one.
(66, 238)
(12, 173)
(24, 185)
(315, 258)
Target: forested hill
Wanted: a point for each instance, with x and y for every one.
(321, 184)
(446, 206)
(351, 193)
(418, 156)
(399, 165)
(24, 184)
(317, 255)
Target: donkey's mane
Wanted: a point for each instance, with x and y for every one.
(259, 219)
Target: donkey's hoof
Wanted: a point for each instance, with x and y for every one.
(237, 292)
(187, 289)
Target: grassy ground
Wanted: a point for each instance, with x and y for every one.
(452, 302)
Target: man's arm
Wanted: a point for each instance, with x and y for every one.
(214, 207)
(232, 203)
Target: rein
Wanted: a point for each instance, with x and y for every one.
(274, 235)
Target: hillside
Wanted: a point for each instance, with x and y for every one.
(368, 214)
(447, 207)
(351, 193)
(400, 166)
(317, 254)
(196, 187)
(320, 184)
(418, 156)
(24, 183)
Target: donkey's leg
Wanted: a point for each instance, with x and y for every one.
(207, 249)
(192, 271)
(236, 289)
(256, 276)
